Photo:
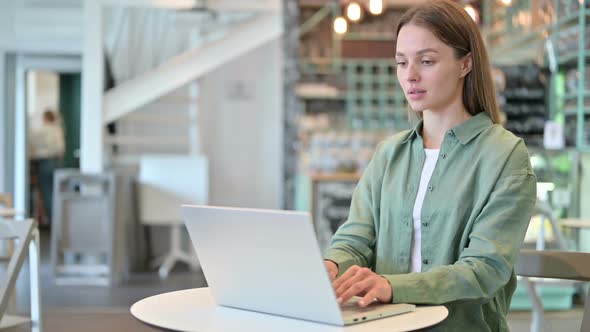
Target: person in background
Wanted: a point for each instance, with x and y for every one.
(47, 152)
(441, 210)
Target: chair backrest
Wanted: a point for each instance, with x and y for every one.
(558, 265)
(5, 200)
(166, 182)
(22, 231)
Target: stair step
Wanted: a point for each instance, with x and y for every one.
(147, 140)
(156, 119)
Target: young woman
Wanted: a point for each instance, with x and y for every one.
(441, 211)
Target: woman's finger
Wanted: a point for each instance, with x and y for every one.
(345, 276)
(356, 289)
(358, 276)
(369, 297)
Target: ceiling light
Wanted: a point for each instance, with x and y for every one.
(353, 11)
(471, 11)
(340, 25)
(376, 7)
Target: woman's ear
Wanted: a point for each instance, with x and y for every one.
(466, 65)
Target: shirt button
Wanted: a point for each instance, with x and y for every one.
(443, 156)
(425, 261)
(450, 133)
(425, 223)
(430, 188)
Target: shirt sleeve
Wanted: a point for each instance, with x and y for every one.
(354, 242)
(487, 263)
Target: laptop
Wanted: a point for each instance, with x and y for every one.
(269, 261)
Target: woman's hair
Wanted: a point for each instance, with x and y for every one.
(453, 26)
(49, 116)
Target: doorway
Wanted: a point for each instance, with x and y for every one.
(53, 134)
(42, 84)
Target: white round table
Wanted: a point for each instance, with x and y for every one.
(195, 310)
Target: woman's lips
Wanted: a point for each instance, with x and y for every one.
(416, 94)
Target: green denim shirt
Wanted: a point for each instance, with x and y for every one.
(474, 216)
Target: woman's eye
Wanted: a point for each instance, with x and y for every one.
(401, 63)
(427, 62)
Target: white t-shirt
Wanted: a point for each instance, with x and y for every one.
(47, 142)
(428, 168)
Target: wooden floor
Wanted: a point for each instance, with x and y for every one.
(89, 309)
(91, 320)
(96, 308)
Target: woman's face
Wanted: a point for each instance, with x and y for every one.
(429, 73)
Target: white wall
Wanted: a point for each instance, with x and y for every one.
(49, 26)
(6, 23)
(241, 130)
(5, 34)
(35, 27)
(3, 153)
(243, 138)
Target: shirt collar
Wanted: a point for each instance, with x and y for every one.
(464, 132)
(415, 131)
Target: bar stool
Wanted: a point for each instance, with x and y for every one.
(557, 265)
(26, 234)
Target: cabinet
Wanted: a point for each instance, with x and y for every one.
(349, 91)
(365, 90)
(556, 34)
(331, 197)
(515, 34)
(571, 60)
(351, 76)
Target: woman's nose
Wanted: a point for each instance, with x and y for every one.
(412, 74)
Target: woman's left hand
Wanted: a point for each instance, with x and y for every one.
(361, 281)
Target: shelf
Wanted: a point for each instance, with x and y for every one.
(571, 18)
(519, 44)
(335, 176)
(569, 57)
(379, 94)
(367, 78)
(521, 94)
(355, 95)
(320, 97)
(498, 16)
(571, 111)
(369, 36)
(312, 3)
(571, 96)
(367, 62)
(328, 66)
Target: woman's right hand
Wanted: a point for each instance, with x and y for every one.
(332, 269)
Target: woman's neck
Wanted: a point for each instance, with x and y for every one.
(437, 123)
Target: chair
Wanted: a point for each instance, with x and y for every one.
(7, 247)
(27, 236)
(558, 265)
(5, 200)
(547, 213)
(166, 182)
(7, 209)
(84, 230)
(6, 206)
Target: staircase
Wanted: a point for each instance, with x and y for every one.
(168, 125)
(157, 58)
